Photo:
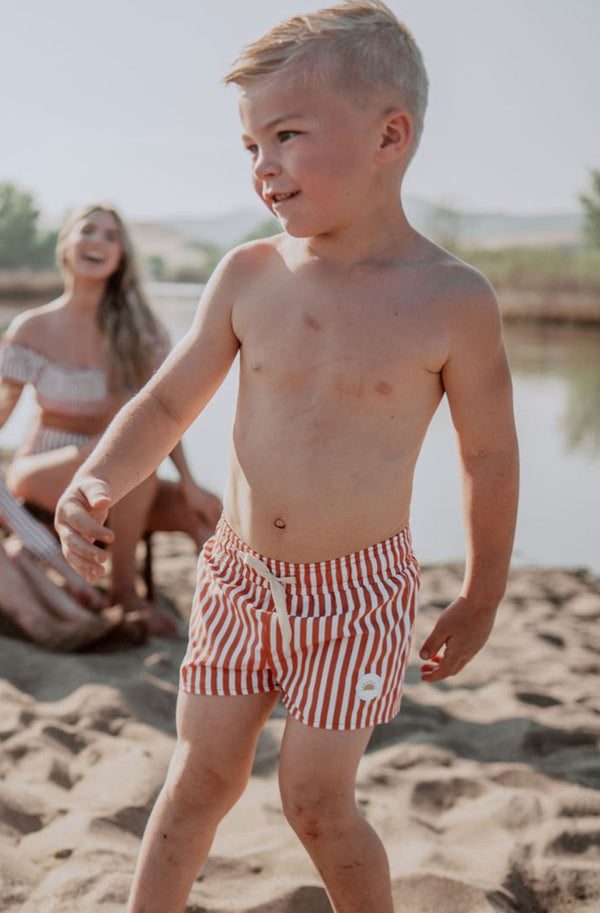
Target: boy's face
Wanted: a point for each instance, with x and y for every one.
(312, 152)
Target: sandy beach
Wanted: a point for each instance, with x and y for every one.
(485, 788)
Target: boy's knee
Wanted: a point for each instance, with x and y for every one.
(201, 786)
(313, 811)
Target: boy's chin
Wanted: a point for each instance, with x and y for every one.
(296, 229)
(295, 232)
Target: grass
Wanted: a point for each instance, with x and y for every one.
(555, 284)
(539, 269)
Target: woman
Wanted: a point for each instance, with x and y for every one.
(85, 354)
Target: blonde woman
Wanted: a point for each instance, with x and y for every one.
(85, 354)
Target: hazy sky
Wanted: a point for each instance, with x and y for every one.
(122, 100)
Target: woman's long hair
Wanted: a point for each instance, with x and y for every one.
(135, 341)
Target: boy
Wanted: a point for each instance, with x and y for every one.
(350, 327)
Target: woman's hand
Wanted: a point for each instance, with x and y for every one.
(206, 506)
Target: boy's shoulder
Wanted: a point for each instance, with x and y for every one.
(254, 254)
(448, 272)
(458, 286)
(248, 263)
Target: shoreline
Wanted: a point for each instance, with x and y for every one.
(24, 289)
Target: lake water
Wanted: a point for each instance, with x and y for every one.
(556, 374)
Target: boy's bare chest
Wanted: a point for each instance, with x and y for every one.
(349, 349)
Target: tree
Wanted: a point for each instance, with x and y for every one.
(591, 208)
(21, 242)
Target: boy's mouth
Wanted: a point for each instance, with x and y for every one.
(277, 198)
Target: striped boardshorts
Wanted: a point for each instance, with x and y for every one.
(333, 636)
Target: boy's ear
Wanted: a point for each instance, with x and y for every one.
(395, 137)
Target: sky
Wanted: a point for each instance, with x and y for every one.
(123, 101)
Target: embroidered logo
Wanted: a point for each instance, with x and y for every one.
(369, 686)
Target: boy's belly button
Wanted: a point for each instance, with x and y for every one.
(279, 523)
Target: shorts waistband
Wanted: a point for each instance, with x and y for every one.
(332, 575)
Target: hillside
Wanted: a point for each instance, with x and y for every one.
(175, 238)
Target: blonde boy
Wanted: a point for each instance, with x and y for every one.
(350, 327)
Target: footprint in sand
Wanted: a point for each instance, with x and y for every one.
(441, 795)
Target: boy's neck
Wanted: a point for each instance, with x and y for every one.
(380, 239)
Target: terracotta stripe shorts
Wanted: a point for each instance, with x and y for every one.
(333, 637)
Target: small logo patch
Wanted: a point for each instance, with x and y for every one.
(369, 686)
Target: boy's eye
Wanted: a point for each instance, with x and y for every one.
(285, 135)
(252, 148)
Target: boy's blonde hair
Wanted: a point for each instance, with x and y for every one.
(358, 46)
(135, 341)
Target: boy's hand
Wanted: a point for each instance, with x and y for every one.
(79, 521)
(460, 632)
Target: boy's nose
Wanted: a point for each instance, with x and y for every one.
(265, 166)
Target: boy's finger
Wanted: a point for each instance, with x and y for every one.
(96, 494)
(443, 666)
(432, 645)
(73, 521)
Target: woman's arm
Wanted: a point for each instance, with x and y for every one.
(10, 391)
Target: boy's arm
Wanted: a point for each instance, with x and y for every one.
(477, 382)
(148, 428)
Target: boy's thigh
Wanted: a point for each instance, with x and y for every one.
(219, 730)
(316, 761)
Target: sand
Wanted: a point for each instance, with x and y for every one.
(485, 788)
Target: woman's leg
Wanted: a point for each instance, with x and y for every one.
(42, 477)
(129, 520)
(155, 504)
(42, 610)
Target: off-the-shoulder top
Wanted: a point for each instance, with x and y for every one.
(59, 388)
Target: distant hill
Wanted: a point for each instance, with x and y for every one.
(222, 230)
(493, 229)
(179, 241)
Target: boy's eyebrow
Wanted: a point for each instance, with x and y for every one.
(281, 118)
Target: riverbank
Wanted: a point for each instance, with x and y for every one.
(547, 302)
(485, 788)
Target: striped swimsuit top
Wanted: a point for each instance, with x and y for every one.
(59, 388)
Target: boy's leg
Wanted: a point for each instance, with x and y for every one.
(210, 767)
(317, 773)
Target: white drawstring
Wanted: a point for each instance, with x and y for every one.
(278, 591)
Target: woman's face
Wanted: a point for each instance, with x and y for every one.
(93, 248)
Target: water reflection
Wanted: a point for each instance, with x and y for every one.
(557, 402)
(571, 354)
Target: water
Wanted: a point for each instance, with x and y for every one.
(556, 374)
